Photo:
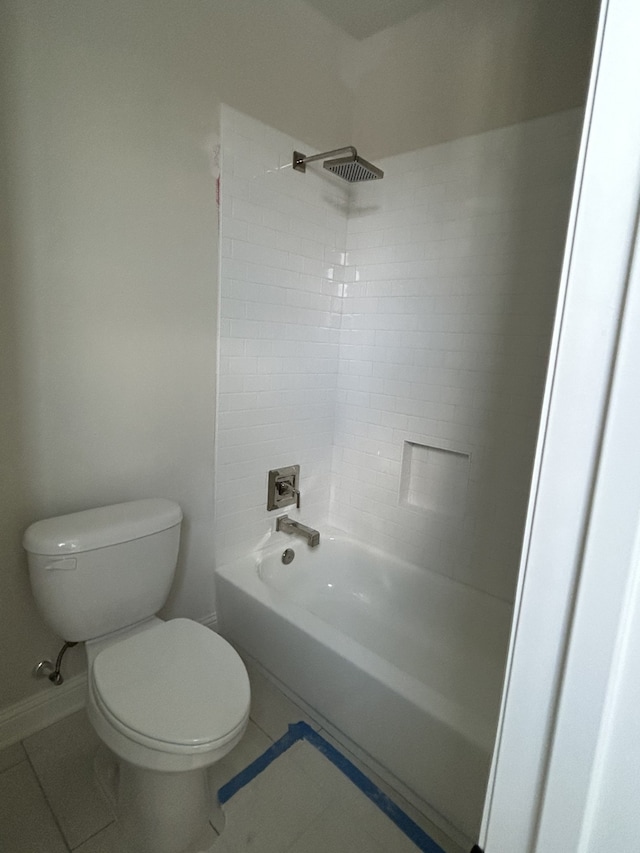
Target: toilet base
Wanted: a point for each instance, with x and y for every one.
(159, 812)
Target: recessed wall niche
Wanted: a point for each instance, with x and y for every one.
(434, 479)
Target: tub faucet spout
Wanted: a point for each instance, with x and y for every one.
(289, 525)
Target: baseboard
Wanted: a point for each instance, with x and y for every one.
(41, 710)
(211, 621)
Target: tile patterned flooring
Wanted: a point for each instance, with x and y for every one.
(49, 802)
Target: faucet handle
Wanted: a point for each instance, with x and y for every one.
(286, 488)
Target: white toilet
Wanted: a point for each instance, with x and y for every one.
(168, 698)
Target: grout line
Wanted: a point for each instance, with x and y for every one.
(92, 836)
(15, 763)
(46, 799)
(258, 726)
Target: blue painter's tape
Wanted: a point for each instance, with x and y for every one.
(252, 770)
(302, 731)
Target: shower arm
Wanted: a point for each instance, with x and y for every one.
(300, 160)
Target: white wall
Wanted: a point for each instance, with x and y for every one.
(109, 273)
(453, 262)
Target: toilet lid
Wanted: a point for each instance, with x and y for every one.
(178, 683)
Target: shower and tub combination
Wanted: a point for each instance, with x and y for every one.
(405, 663)
(390, 336)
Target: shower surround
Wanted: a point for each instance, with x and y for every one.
(283, 243)
(391, 338)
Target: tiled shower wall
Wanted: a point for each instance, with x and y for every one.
(282, 254)
(405, 377)
(453, 262)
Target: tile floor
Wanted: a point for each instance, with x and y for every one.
(49, 802)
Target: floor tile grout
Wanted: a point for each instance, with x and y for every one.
(93, 835)
(46, 799)
(264, 732)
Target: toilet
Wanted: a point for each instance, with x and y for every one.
(167, 698)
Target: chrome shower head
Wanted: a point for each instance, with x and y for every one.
(351, 168)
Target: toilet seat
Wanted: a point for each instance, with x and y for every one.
(177, 687)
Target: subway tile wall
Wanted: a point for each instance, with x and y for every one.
(360, 321)
(453, 263)
(282, 254)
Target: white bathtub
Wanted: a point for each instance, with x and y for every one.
(408, 664)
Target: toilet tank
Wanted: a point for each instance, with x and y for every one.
(103, 569)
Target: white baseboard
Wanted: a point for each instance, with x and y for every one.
(211, 621)
(41, 710)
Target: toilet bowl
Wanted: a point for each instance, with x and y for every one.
(167, 698)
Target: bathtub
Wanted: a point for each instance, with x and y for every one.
(406, 663)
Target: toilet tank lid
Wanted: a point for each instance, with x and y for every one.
(101, 527)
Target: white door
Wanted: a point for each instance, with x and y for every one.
(567, 759)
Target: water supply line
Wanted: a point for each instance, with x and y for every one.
(46, 667)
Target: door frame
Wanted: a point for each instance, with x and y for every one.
(557, 677)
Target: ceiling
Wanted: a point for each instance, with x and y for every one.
(363, 18)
